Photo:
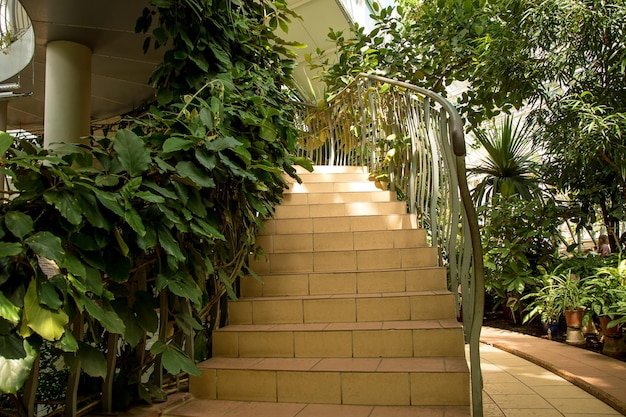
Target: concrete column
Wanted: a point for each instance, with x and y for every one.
(68, 93)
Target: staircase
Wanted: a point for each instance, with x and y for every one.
(352, 318)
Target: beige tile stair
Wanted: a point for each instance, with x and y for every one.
(351, 313)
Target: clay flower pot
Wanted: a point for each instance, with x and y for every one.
(608, 331)
(574, 318)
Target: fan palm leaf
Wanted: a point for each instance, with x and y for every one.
(508, 165)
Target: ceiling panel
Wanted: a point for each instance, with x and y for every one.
(120, 69)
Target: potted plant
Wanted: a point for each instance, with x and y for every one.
(559, 296)
(602, 293)
(544, 304)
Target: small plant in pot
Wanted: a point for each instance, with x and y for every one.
(602, 293)
(544, 304)
(559, 296)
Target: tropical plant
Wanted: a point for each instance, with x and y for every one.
(518, 237)
(604, 291)
(559, 292)
(160, 215)
(508, 164)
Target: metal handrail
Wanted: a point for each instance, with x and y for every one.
(412, 139)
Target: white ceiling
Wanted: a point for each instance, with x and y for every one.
(120, 69)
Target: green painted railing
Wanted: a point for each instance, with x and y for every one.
(412, 141)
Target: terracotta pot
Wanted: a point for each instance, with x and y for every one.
(610, 331)
(574, 318)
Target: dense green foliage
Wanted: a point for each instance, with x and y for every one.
(509, 164)
(161, 215)
(568, 56)
(518, 237)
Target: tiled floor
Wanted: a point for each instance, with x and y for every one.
(514, 387)
(599, 375)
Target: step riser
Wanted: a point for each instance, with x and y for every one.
(363, 260)
(340, 209)
(343, 241)
(355, 388)
(339, 224)
(337, 198)
(339, 344)
(332, 169)
(330, 177)
(425, 279)
(333, 187)
(342, 310)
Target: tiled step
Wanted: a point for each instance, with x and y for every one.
(400, 339)
(339, 209)
(332, 169)
(329, 177)
(328, 198)
(356, 381)
(228, 408)
(345, 261)
(332, 187)
(334, 283)
(427, 305)
(342, 241)
(352, 314)
(339, 224)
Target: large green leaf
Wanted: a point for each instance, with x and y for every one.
(209, 230)
(177, 144)
(68, 343)
(49, 323)
(6, 141)
(18, 223)
(199, 177)
(150, 197)
(206, 158)
(73, 265)
(66, 204)
(164, 192)
(89, 206)
(8, 310)
(107, 317)
(134, 220)
(174, 360)
(47, 245)
(130, 188)
(223, 142)
(110, 201)
(182, 285)
(132, 152)
(92, 361)
(10, 249)
(12, 346)
(169, 244)
(48, 295)
(15, 371)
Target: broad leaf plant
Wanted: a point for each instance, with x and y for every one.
(142, 232)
